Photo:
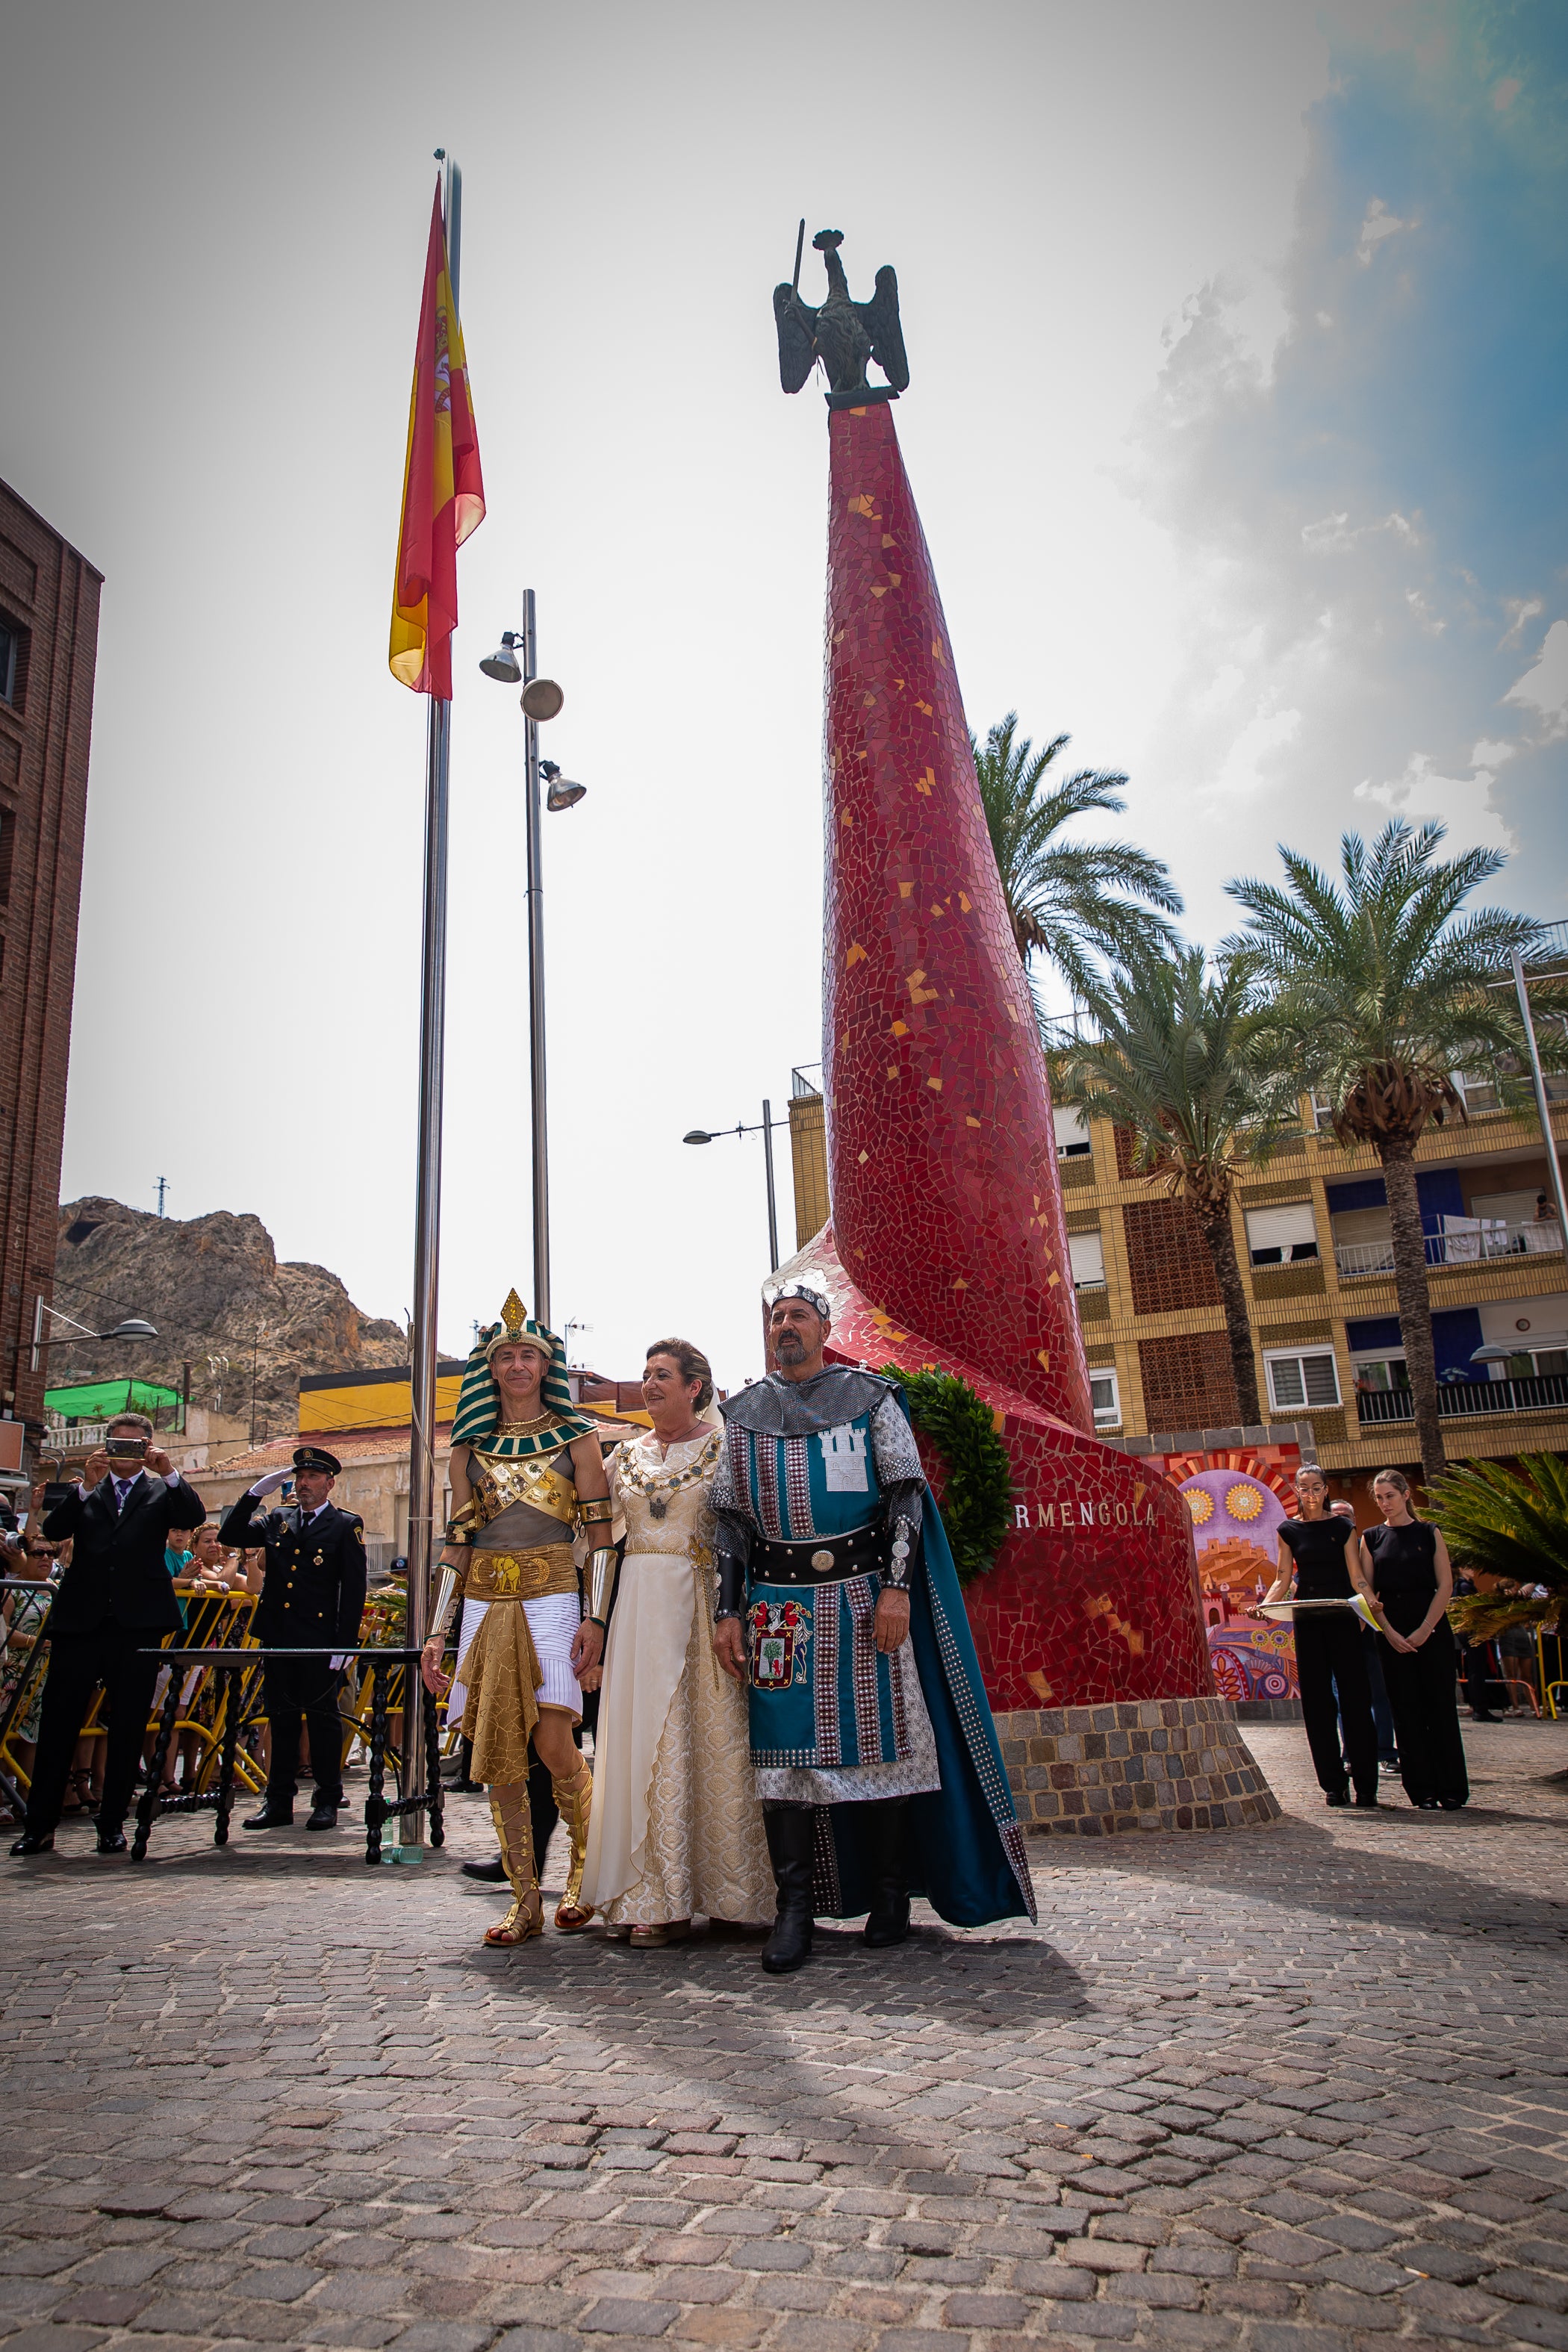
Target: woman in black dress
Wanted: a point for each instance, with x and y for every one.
(1319, 1549)
(1403, 1573)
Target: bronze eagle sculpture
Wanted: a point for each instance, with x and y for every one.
(841, 333)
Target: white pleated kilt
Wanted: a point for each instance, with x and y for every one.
(553, 1622)
(457, 1697)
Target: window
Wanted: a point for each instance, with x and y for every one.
(1382, 1372)
(1323, 1113)
(1106, 1399)
(1304, 1377)
(1479, 1089)
(1281, 1236)
(1530, 1364)
(1072, 1134)
(1087, 1252)
(10, 650)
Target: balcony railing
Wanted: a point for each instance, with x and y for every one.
(1487, 1238)
(1468, 1400)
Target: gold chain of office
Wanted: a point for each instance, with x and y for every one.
(658, 1490)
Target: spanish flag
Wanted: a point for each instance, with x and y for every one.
(443, 491)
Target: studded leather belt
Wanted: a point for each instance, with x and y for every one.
(818, 1560)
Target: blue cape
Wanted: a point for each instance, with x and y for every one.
(963, 1849)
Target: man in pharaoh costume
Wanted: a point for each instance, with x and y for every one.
(526, 1475)
(874, 1752)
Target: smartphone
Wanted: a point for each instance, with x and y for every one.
(56, 1492)
(126, 1449)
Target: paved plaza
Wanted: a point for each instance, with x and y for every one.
(1290, 2090)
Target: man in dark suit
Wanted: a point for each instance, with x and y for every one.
(313, 1591)
(115, 1602)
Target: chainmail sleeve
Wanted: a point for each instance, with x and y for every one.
(902, 1481)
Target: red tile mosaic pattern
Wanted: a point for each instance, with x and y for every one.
(948, 1244)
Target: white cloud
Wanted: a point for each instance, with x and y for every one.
(1377, 224)
(1544, 687)
(1523, 608)
(1462, 803)
(1248, 764)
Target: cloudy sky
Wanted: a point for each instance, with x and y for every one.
(1236, 421)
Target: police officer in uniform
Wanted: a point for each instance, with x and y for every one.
(313, 1591)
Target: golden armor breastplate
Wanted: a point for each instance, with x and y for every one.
(500, 1480)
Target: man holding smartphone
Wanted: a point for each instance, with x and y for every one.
(115, 1602)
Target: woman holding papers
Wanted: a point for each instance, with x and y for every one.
(1319, 1550)
(1405, 1575)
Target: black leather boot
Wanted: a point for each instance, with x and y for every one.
(276, 1813)
(888, 1922)
(791, 1834)
(492, 1872)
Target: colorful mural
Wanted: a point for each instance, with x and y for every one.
(1236, 1503)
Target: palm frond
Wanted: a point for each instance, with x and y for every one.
(1082, 906)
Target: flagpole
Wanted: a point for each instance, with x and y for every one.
(423, 1490)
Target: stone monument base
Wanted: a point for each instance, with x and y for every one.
(1136, 1764)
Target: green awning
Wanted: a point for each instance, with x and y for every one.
(96, 1400)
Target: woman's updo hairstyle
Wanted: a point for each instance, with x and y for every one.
(692, 1365)
(1393, 1478)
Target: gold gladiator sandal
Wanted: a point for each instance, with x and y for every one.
(514, 1828)
(574, 1801)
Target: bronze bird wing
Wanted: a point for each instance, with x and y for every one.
(879, 317)
(796, 323)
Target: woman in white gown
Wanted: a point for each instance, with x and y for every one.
(676, 1829)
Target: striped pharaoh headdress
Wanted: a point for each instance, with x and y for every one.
(479, 1400)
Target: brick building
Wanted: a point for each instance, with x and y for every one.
(49, 639)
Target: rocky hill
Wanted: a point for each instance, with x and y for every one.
(214, 1289)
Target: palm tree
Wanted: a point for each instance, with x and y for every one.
(1176, 1061)
(1384, 991)
(1512, 1524)
(1072, 902)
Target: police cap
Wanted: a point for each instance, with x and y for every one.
(316, 1457)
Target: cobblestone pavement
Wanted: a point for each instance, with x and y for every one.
(1289, 2090)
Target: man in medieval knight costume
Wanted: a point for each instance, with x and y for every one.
(527, 1474)
(875, 1754)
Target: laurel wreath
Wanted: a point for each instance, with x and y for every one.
(977, 1497)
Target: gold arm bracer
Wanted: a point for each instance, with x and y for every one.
(601, 1584)
(446, 1598)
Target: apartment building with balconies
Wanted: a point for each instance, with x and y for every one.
(1312, 1237)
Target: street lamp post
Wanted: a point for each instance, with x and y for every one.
(1543, 1102)
(542, 698)
(133, 1327)
(703, 1135)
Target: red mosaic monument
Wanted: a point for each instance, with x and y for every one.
(947, 1244)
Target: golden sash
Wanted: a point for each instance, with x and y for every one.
(519, 1576)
